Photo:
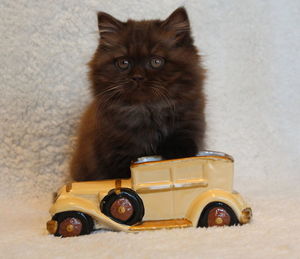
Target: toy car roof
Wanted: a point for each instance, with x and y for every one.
(205, 153)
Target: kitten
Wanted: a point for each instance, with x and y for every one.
(147, 85)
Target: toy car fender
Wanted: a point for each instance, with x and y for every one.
(231, 199)
(85, 206)
(74, 204)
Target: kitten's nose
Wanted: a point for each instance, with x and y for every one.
(137, 77)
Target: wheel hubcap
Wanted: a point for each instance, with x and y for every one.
(219, 221)
(218, 216)
(70, 227)
(122, 209)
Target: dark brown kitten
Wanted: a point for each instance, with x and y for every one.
(147, 96)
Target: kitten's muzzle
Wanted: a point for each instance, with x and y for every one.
(137, 78)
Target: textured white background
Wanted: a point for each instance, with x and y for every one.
(252, 52)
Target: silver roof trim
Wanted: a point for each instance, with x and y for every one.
(204, 153)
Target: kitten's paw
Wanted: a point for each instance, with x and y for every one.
(178, 149)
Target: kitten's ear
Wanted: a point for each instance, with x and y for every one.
(108, 26)
(178, 23)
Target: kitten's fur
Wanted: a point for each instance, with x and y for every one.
(142, 110)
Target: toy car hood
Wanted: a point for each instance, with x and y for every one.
(93, 187)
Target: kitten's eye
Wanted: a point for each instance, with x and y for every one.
(157, 62)
(123, 63)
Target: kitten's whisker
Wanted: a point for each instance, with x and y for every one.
(94, 32)
(164, 95)
(167, 100)
(108, 90)
(107, 96)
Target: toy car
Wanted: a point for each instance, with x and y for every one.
(194, 191)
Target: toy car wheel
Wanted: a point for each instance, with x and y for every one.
(73, 223)
(217, 214)
(123, 206)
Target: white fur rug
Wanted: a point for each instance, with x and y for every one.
(252, 52)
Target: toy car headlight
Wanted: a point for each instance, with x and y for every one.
(246, 215)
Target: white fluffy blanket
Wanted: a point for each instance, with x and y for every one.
(252, 52)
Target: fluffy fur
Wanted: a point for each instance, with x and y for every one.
(147, 85)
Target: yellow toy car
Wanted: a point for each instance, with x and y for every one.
(194, 191)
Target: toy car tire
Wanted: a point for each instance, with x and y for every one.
(217, 214)
(73, 223)
(123, 206)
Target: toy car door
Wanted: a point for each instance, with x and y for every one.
(153, 184)
(189, 180)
